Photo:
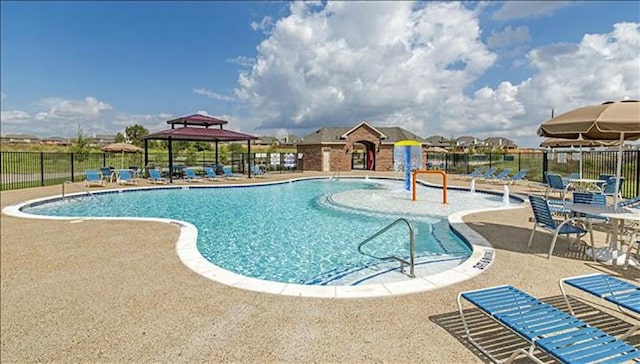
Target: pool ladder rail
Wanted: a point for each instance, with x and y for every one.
(403, 262)
(335, 176)
(87, 192)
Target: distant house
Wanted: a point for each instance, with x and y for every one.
(438, 141)
(347, 148)
(467, 142)
(56, 141)
(101, 139)
(20, 139)
(500, 143)
(265, 140)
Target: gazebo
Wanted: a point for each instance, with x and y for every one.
(196, 127)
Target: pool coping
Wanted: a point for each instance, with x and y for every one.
(481, 258)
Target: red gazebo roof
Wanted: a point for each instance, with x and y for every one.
(205, 134)
(198, 119)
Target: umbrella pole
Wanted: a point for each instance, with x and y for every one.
(618, 170)
(580, 162)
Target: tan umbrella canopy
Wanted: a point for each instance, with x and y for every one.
(436, 150)
(609, 121)
(121, 148)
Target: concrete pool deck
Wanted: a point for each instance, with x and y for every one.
(116, 291)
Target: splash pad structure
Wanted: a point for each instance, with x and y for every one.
(407, 156)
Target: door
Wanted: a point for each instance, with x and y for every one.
(326, 161)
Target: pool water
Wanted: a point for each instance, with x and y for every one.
(286, 232)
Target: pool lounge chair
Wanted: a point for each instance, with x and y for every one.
(257, 172)
(502, 176)
(477, 173)
(125, 177)
(156, 178)
(191, 176)
(545, 327)
(228, 174)
(488, 174)
(542, 218)
(520, 176)
(210, 174)
(625, 295)
(107, 174)
(93, 178)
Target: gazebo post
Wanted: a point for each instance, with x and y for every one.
(146, 153)
(216, 152)
(248, 158)
(170, 161)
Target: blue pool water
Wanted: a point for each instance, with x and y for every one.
(287, 232)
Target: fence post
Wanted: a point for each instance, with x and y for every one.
(519, 161)
(41, 169)
(72, 171)
(545, 165)
(637, 192)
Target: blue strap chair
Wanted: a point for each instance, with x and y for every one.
(609, 188)
(545, 327)
(191, 176)
(156, 177)
(93, 178)
(542, 218)
(557, 184)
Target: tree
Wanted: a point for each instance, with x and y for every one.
(81, 147)
(135, 133)
(120, 138)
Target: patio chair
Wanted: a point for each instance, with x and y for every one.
(125, 177)
(156, 178)
(595, 222)
(625, 295)
(557, 184)
(257, 172)
(93, 178)
(210, 174)
(603, 177)
(191, 176)
(228, 174)
(631, 202)
(545, 327)
(609, 188)
(542, 218)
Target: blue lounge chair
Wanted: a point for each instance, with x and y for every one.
(488, 174)
(93, 178)
(228, 174)
(520, 176)
(257, 172)
(502, 176)
(609, 188)
(125, 177)
(156, 177)
(107, 173)
(191, 176)
(210, 174)
(542, 218)
(545, 327)
(625, 295)
(477, 173)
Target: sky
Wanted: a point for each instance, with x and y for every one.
(482, 69)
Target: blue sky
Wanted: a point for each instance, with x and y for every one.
(271, 68)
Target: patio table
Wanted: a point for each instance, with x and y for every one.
(617, 216)
(588, 184)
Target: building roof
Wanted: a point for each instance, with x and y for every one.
(204, 134)
(198, 119)
(335, 135)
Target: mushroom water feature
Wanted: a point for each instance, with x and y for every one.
(407, 156)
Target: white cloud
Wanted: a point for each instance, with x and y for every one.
(211, 94)
(242, 61)
(72, 110)
(392, 63)
(14, 117)
(511, 10)
(508, 37)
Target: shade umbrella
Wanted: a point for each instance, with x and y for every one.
(608, 121)
(436, 150)
(571, 143)
(121, 148)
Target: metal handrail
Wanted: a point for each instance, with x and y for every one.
(80, 188)
(336, 176)
(412, 244)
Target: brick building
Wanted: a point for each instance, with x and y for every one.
(362, 147)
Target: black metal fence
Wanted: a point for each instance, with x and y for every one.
(33, 169)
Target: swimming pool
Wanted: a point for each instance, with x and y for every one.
(301, 232)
